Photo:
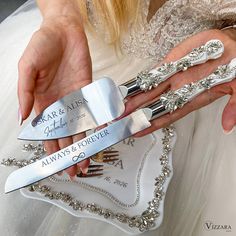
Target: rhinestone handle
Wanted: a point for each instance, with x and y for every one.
(173, 100)
(147, 80)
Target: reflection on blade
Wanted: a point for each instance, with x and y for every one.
(78, 151)
(84, 109)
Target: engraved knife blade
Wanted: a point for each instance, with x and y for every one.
(77, 152)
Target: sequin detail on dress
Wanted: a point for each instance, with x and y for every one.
(170, 25)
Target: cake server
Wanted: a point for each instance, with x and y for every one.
(103, 101)
(117, 131)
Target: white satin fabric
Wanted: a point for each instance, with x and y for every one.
(204, 160)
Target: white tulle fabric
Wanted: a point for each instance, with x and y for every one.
(204, 180)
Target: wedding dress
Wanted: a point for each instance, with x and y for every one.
(203, 184)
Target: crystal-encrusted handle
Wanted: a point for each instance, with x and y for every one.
(147, 80)
(173, 100)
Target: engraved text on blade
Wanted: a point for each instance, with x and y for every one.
(74, 148)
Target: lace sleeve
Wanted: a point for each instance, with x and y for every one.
(218, 10)
(225, 10)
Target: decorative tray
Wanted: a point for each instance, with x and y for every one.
(129, 194)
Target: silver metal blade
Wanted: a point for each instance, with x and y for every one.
(84, 109)
(78, 151)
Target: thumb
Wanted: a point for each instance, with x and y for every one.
(26, 85)
(229, 115)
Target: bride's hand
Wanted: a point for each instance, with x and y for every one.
(191, 75)
(55, 62)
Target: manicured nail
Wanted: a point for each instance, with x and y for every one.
(60, 173)
(84, 170)
(78, 170)
(229, 131)
(20, 120)
(72, 178)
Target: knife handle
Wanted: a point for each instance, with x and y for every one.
(175, 99)
(147, 80)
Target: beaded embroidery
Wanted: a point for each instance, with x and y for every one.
(143, 222)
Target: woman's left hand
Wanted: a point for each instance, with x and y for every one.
(228, 38)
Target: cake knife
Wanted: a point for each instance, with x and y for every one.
(117, 131)
(102, 101)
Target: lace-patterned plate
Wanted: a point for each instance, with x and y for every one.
(131, 192)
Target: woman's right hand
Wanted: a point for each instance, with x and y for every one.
(55, 63)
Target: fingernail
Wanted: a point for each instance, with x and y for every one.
(78, 170)
(229, 131)
(84, 170)
(60, 173)
(72, 178)
(20, 120)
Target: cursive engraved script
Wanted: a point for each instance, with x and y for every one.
(52, 128)
(57, 113)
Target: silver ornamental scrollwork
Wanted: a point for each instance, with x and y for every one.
(173, 100)
(147, 80)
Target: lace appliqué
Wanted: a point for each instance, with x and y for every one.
(171, 24)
